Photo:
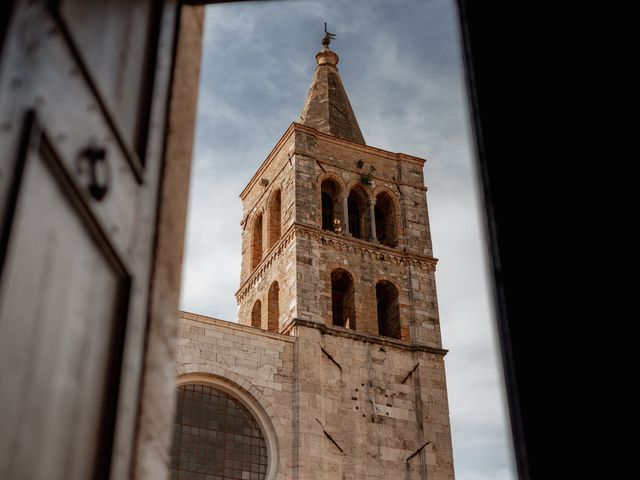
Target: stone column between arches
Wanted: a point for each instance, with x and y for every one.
(345, 213)
(372, 216)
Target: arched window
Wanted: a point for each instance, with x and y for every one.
(273, 314)
(388, 309)
(358, 213)
(256, 242)
(275, 218)
(330, 204)
(216, 436)
(256, 314)
(343, 305)
(385, 220)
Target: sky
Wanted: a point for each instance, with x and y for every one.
(401, 68)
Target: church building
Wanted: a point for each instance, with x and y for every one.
(335, 369)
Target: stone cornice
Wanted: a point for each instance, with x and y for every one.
(330, 139)
(363, 337)
(375, 251)
(233, 326)
(340, 242)
(325, 329)
(356, 146)
(272, 255)
(343, 168)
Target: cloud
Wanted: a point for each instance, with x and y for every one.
(400, 64)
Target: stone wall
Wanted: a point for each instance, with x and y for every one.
(367, 405)
(258, 362)
(279, 258)
(275, 173)
(409, 265)
(319, 253)
(318, 156)
(343, 405)
(274, 268)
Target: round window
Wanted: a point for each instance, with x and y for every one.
(215, 438)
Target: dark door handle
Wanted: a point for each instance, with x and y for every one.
(99, 172)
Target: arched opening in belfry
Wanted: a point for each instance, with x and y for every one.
(386, 231)
(388, 310)
(343, 305)
(256, 314)
(331, 218)
(256, 242)
(358, 206)
(273, 310)
(275, 217)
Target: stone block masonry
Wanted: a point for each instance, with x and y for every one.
(302, 259)
(344, 405)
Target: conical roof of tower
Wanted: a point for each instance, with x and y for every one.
(327, 108)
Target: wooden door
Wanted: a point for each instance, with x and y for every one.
(82, 104)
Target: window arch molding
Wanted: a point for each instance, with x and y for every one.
(330, 176)
(357, 183)
(252, 401)
(393, 195)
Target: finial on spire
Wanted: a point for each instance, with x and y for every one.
(326, 40)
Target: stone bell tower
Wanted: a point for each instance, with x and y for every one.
(336, 251)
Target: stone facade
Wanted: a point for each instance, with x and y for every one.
(304, 257)
(342, 406)
(258, 362)
(338, 347)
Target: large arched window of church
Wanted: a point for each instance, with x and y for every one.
(358, 212)
(256, 314)
(330, 204)
(385, 220)
(275, 217)
(388, 309)
(256, 242)
(273, 313)
(216, 436)
(343, 304)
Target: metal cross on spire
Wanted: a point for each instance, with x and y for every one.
(326, 40)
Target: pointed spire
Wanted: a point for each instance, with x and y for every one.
(327, 108)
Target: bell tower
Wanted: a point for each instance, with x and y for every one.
(336, 251)
(334, 228)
